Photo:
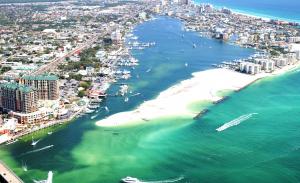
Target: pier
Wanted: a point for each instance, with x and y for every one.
(7, 175)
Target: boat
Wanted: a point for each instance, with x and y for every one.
(49, 133)
(186, 64)
(93, 117)
(194, 45)
(49, 179)
(12, 141)
(126, 99)
(89, 111)
(24, 167)
(136, 94)
(149, 70)
(106, 108)
(123, 89)
(33, 143)
(235, 122)
(93, 106)
(130, 180)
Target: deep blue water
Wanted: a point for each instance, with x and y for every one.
(281, 9)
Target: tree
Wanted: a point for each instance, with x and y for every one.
(81, 93)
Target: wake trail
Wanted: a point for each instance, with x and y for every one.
(37, 150)
(165, 181)
(235, 122)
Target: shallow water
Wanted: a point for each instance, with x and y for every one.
(263, 148)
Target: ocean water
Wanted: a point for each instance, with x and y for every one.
(274, 9)
(263, 148)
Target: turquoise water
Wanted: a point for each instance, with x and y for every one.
(264, 148)
(275, 9)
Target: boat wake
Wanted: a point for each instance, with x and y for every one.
(38, 150)
(235, 122)
(165, 181)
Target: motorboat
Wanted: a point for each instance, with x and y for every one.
(130, 180)
(33, 143)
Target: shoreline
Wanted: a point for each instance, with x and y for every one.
(252, 14)
(203, 86)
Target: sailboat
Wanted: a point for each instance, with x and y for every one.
(33, 143)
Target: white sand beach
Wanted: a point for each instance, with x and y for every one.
(203, 85)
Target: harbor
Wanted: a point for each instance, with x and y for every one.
(151, 148)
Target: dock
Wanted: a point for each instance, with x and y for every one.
(7, 175)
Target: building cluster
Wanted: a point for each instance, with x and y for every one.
(21, 99)
(280, 39)
(80, 43)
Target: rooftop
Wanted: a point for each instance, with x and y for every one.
(47, 77)
(15, 86)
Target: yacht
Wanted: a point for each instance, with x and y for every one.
(130, 180)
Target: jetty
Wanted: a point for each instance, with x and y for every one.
(200, 114)
(7, 175)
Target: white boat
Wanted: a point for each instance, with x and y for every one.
(33, 143)
(11, 141)
(89, 111)
(49, 179)
(186, 64)
(126, 99)
(106, 108)
(24, 167)
(93, 117)
(149, 70)
(130, 180)
(136, 94)
(49, 133)
(194, 45)
(235, 122)
(123, 89)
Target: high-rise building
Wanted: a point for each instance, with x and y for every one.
(45, 85)
(18, 97)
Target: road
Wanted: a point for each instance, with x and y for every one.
(54, 63)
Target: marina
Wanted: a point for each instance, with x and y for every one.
(214, 138)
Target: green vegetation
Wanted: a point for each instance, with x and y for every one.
(87, 59)
(77, 77)
(4, 69)
(81, 93)
(85, 84)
